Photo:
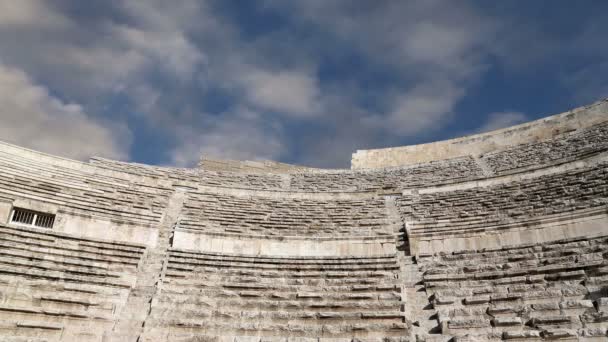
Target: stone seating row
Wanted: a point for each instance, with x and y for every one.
(501, 206)
(437, 172)
(553, 290)
(198, 176)
(564, 147)
(80, 192)
(389, 179)
(251, 215)
(58, 286)
(156, 172)
(214, 294)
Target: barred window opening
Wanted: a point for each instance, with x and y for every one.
(32, 218)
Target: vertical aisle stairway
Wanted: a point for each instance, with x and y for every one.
(149, 278)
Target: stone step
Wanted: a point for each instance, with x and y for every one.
(274, 279)
(259, 316)
(182, 326)
(66, 252)
(282, 259)
(55, 275)
(248, 303)
(47, 312)
(52, 236)
(189, 265)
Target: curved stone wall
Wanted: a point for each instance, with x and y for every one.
(504, 242)
(528, 133)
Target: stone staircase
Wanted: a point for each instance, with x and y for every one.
(149, 278)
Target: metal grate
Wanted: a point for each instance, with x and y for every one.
(32, 218)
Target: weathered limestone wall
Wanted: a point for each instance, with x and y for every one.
(478, 144)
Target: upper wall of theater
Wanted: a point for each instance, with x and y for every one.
(478, 144)
(250, 166)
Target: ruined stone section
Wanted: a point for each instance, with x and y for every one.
(544, 291)
(57, 287)
(528, 133)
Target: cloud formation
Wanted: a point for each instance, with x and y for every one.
(32, 117)
(290, 93)
(300, 81)
(501, 120)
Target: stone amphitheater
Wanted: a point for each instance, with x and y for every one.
(495, 236)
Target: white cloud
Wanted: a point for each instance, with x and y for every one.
(169, 49)
(500, 120)
(240, 134)
(436, 51)
(88, 60)
(292, 93)
(197, 75)
(32, 117)
(28, 13)
(425, 107)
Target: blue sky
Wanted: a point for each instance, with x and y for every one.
(306, 82)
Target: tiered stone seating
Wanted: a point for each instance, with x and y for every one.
(269, 252)
(494, 207)
(79, 191)
(390, 179)
(242, 180)
(250, 166)
(438, 172)
(270, 298)
(552, 290)
(198, 176)
(268, 216)
(561, 148)
(149, 171)
(54, 285)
